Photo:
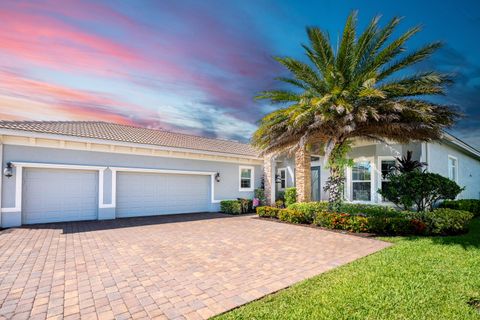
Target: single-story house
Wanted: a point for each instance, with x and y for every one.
(56, 171)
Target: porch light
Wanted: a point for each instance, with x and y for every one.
(8, 171)
(217, 176)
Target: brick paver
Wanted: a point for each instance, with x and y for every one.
(170, 267)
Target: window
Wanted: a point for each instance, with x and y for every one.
(282, 178)
(452, 168)
(246, 178)
(386, 166)
(362, 181)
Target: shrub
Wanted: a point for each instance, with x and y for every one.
(231, 206)
(422, 189)
(472, 205)
(293, 216)
(395, 225)
(310, 208)
(290, 196)
(279, 204)
(260, 195)
(341, 221)
(446, 221)
(238, 206)
(370, 210)
(269, 212)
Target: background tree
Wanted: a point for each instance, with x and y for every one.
(354, 91)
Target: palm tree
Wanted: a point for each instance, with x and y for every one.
(353, 92)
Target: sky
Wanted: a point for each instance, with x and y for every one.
(195, 66)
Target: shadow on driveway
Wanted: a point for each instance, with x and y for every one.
(120, 223)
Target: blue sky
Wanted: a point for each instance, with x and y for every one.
(195, 66)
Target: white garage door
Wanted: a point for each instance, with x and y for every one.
(55, 195)
(148, 194)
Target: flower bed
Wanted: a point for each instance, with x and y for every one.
(373, 219)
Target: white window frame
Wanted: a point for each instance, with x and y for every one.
(252, 178)
(349, 188)
(380, 177)
(456, 167)
(279, 172)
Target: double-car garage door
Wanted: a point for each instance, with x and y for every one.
(57, 195)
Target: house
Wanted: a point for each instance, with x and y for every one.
(65, 171)
(57, 171)
(449, 157)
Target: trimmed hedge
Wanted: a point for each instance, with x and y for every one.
(374, 219)
(269, 212)
(446, 221)
(238, 206)
(471, 205)
(294, 216)
(309, 208)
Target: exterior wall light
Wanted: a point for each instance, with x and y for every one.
(217, 176)
(8, 171)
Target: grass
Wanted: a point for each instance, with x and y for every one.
(417, 278)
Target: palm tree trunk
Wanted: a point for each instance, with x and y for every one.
(303, 175)
(335, 184)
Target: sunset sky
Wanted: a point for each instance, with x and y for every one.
(195, 66)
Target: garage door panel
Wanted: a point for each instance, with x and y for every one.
(55, 195)
(143, 194)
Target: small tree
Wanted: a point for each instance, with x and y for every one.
(419, 189)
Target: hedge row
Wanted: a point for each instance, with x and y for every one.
(239, 206)
(374, 219)
(471, 205)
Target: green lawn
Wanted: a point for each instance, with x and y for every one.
(417, 278)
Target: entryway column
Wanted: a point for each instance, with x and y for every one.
(269, 178)
(303, 175)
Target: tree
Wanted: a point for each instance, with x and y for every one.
(353, 92)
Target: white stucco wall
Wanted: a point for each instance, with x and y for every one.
(468, 167)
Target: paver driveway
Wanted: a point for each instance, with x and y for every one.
(187, 266)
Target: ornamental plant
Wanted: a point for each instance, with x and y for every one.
(421, 190)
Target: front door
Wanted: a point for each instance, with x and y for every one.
(316, 191)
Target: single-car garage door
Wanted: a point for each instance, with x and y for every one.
(148, 194)
(55, 195)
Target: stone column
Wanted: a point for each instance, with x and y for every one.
(303, 175)
(269, 178)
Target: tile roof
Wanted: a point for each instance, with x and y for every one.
(131, 134)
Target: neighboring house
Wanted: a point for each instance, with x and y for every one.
(65, 171)
(68, 171)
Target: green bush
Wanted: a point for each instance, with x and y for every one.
(395, 225)
(419, 189)
(370, 210)
(238, 206)
(472, 205)
(310, 208)
(280, 196)
(293, 216)
(290, 196)
(231, 206)
(268, 212)
(341, 221)
(445, 221)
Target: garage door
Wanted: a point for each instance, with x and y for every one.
(55, 195)
(147, 194)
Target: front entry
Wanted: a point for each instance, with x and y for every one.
(316, 186)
